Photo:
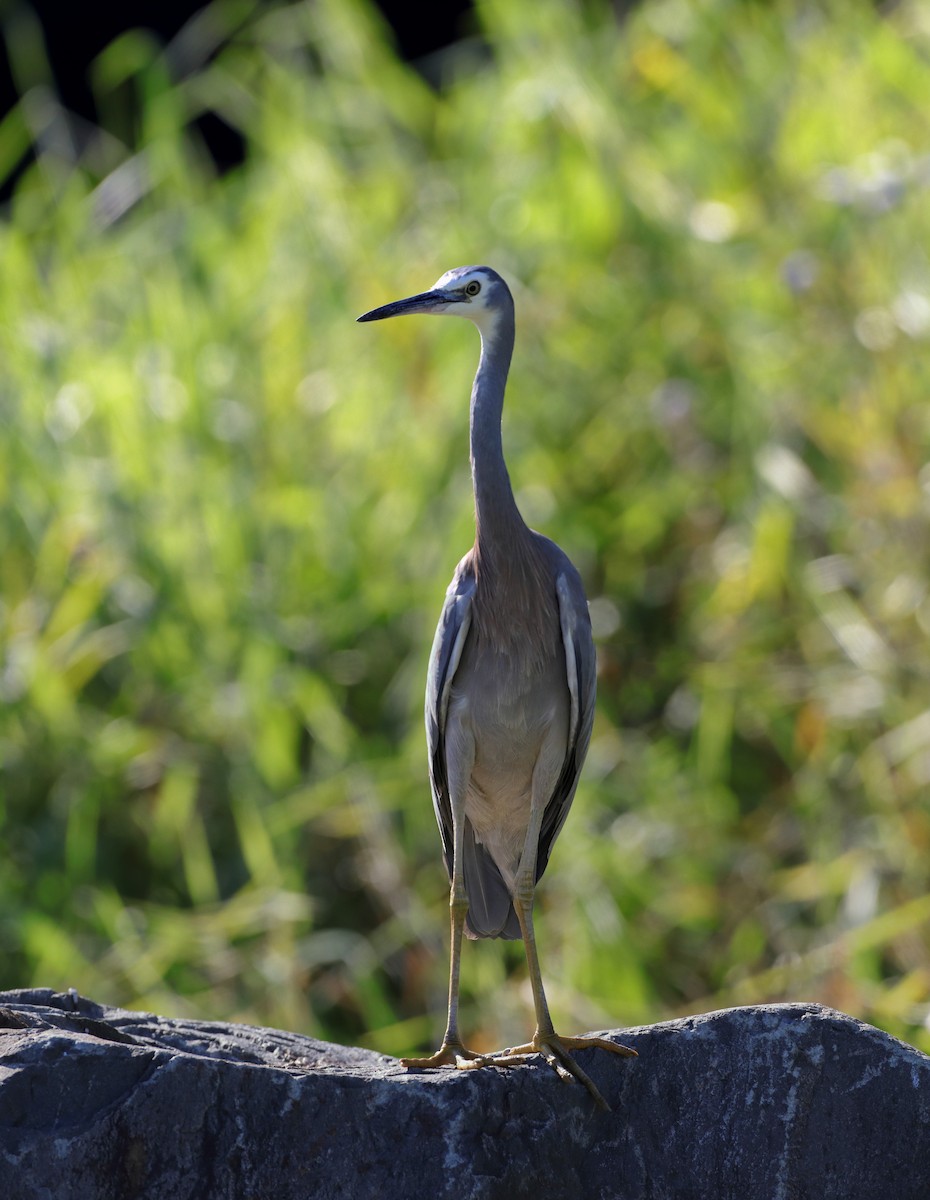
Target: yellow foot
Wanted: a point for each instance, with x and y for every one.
(449, 1054)
(556, 1050)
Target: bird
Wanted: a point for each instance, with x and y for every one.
(510, 695)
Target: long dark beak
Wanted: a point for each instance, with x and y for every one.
(426, 302)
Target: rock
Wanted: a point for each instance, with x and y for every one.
(778, 1102)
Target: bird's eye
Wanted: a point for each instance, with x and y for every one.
(473, 288)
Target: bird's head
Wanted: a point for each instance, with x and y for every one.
(477, 293)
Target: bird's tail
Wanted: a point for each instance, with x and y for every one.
(490, 909)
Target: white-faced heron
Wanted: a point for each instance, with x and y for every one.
(509, 694)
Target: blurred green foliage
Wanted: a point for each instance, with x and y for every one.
(228, 514)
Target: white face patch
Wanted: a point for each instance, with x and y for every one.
(473, 308)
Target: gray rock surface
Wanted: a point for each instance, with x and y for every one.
(779, 1102)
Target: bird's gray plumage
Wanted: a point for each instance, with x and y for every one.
(515, 617)
(491, 912)
(509, 693)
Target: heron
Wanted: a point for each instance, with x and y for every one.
(509, 696)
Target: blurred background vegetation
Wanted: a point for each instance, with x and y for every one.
(228, 514)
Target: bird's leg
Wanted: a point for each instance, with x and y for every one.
(545, 1040)
(452, 1052)
(452, 1048)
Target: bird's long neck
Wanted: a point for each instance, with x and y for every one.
(497, 517)
(514, 610)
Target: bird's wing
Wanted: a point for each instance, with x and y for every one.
(581, 674)
(448, 644)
